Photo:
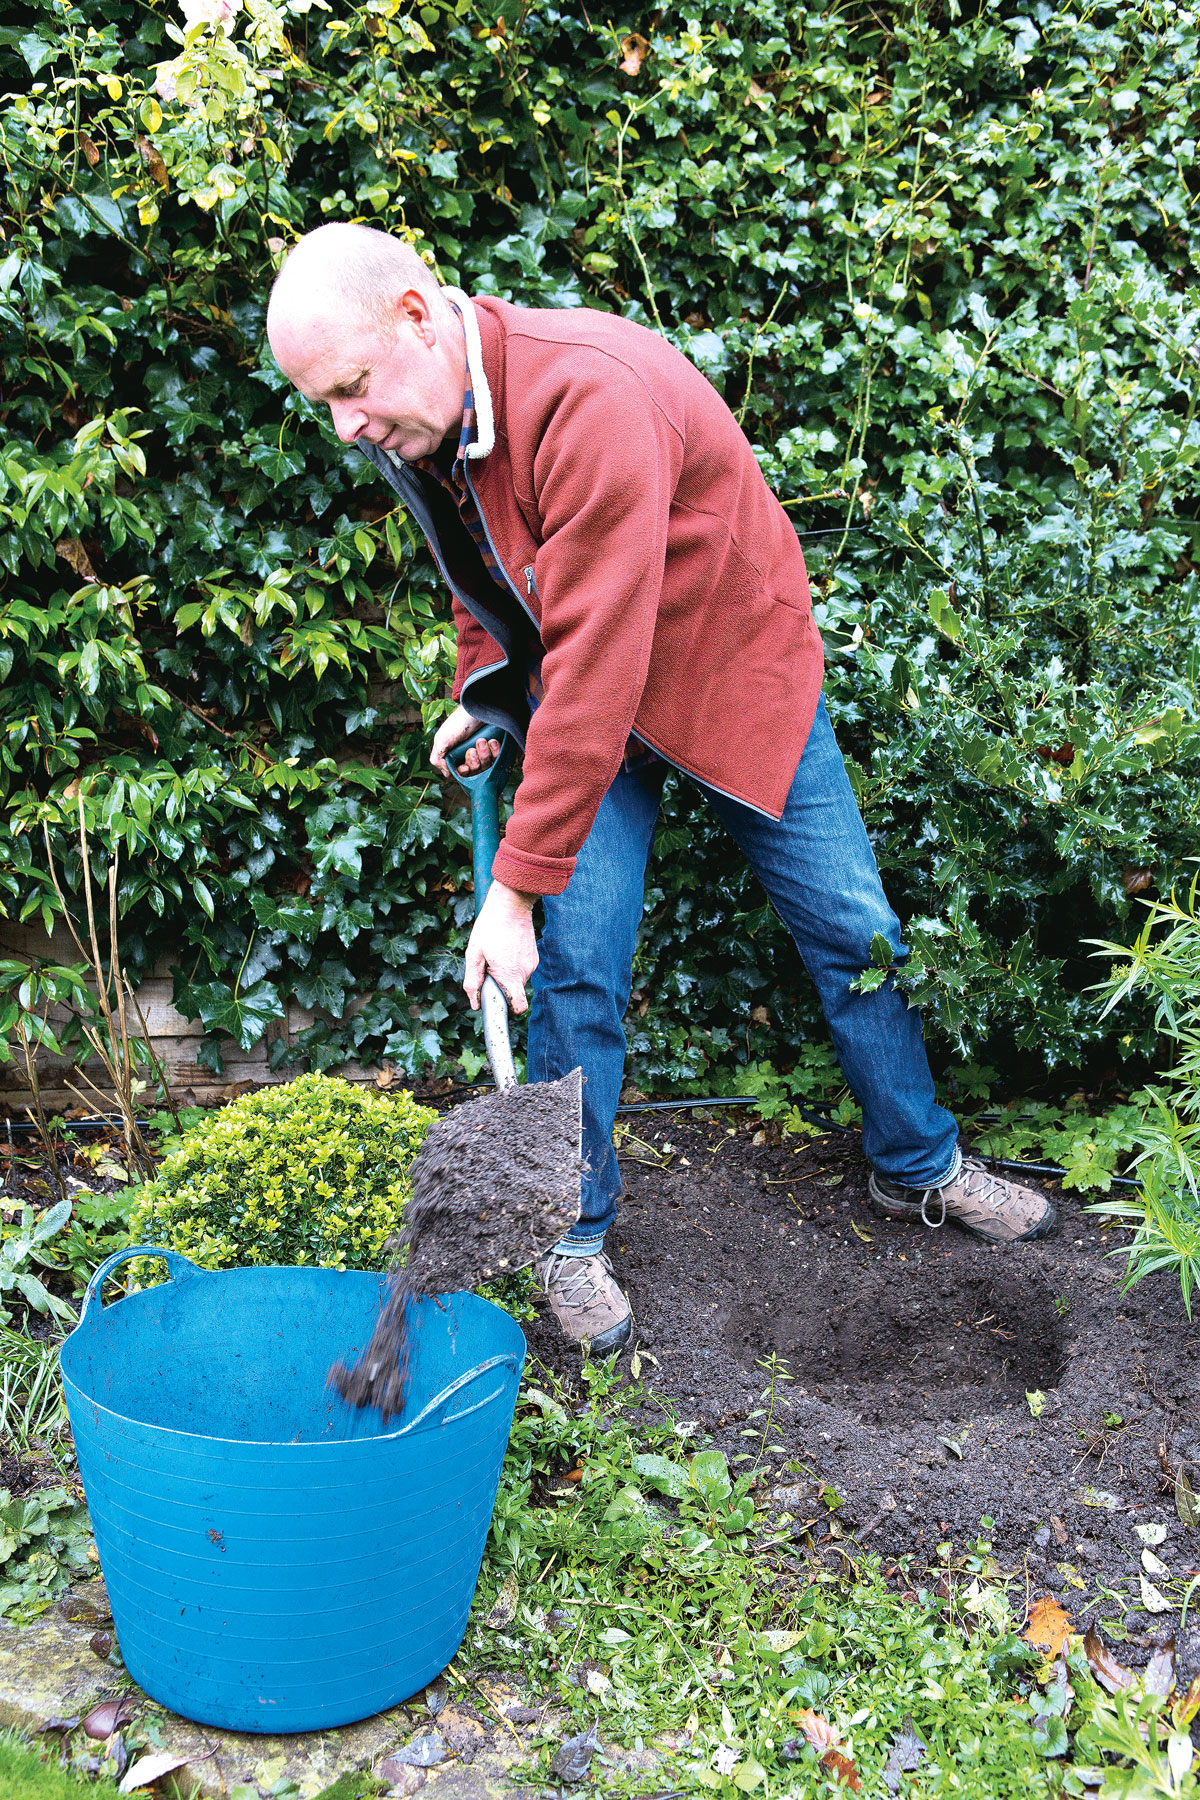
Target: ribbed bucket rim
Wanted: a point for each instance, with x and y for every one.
(512, 1361)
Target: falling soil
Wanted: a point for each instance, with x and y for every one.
(495, 1183)
(908, 1368)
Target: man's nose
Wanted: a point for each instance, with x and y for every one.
(348, 419)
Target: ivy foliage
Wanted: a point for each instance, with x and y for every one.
(941, 262)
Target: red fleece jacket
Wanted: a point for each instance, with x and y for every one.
(668, 584)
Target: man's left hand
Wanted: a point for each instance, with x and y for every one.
(503, 945)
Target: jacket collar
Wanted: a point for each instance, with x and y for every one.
(485, 427)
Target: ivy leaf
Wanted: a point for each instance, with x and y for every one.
(243, 1016)
(324, 989)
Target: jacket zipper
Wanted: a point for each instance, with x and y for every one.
(531, 588)
(491, 544)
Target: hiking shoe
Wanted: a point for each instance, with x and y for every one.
(586, 1301)
(984, 1204)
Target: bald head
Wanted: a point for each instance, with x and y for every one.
(358, 321)
(342, 271)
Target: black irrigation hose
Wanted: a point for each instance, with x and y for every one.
(26, 1128)
(827, 1124)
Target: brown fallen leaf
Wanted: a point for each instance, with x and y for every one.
(1059, 1529)
(1049, 1625)
(100, 1644)
(634, 51)
(824, 1739)
(1111, 1674)
(1158, 1677)
(104, 1719)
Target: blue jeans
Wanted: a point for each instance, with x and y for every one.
(819, 872)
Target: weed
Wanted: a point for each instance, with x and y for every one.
(45, 1541)
(1165, 961)
(655, 1595)
(33, 1413)
(21, 1247)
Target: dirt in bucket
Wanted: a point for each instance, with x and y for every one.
(495, 1184)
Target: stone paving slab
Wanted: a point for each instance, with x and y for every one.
(48, 1670)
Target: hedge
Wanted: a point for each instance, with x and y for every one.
(940, 261)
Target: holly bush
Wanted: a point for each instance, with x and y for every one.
(939, 259)
(313, 1171)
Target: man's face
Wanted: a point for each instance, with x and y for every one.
(399, 386)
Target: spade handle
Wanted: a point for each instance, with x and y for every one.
(484, 790)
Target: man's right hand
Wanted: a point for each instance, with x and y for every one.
(454, 730)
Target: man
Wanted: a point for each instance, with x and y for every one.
(628, 595)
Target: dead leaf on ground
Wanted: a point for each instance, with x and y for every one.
(573, 1757)
(904, 1755)
(104, 1719)
(149, 1769)
(504, 1606)
(1049, 1625)
(634, 51)
(1111, 1674)
(1158, 1676)
(436, 1695)
(1186, 1503)
(100, 1644)
(404, 1780)
(1152, 1599)
(824, 1739)
(1059, 1529)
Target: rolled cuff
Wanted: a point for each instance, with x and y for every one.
(532, 874)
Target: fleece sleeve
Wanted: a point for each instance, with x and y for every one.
(605, 470)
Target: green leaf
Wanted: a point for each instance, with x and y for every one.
(664, 1476)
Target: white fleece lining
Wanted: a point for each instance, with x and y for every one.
(485, 427)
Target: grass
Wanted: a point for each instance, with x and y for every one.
(33, 1413)
(24, 1776)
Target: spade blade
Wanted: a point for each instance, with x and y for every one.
(495, 1185)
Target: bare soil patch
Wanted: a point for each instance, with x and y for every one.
(911, 1354)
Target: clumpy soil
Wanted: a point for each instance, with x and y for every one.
(904, 1359)
(494, 1184)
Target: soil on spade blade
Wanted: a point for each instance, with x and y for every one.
(912, 1355)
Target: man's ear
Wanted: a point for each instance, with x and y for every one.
(411, 311)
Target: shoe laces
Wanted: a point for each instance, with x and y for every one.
(573, 1276)
(976, 1180)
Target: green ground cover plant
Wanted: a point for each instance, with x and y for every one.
(941, 265)
(314, 1171)
(45, 1541)
(644, 1584)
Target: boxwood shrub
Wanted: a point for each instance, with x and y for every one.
(314, 1172)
